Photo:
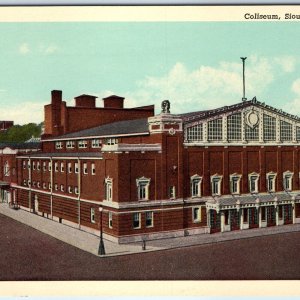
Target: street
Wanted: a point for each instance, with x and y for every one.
(27, 254)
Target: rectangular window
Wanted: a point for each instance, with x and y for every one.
(195, 186)
(93, 220)
(215, 131)
(269, 128)
(76, 168)
(85, 169)
(76, 190)
(56, 186)
(44, 185)
(149, 218)
(143, 188)
(93, 170)
(49, 186)
(44, 166)
(110, 219)
(70, 189)
(24, 164)
(172, 192)
(108, 189)
(49, 166)
(96, 143)
(111, 141)
(194, 133)
(69, 167)
(253, 183)
(56, 166)
(196, 214)
(62, 189)
(287, 181)
(82, 144)
(33, 165)
(58, 145)
(271, 182)
(62, 167)
(286, 131)
(24, 182)
(70, 144)
(216, 185)
(235, 185)
(234, 127)
(252, 134)
(38, 184)
(38, 166)
(136, 220)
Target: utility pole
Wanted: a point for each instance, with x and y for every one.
(244, 97)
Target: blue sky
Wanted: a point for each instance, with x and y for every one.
(196, 65)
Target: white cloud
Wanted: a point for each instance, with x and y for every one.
(205, 87)
(24, 49)
(28, 112)
(293, 106)
(50, 49)
(287, 63)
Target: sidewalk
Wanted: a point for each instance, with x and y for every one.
(89, 242)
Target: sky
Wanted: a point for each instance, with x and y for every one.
(195, 65)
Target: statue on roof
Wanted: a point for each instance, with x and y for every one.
(165, 107)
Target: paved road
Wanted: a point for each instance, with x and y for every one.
(27, 254)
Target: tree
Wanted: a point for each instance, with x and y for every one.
(21, 133)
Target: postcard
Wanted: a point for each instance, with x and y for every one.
(149, 150)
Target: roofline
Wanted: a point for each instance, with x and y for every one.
(94, 137)
(224, 109)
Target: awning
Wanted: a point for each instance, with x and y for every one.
(251, 200)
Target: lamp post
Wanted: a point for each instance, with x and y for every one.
(101, 250)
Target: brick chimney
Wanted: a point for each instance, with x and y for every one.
(85, 101)
(56, 102)
(113, 101)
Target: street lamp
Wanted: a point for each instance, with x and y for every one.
(101, 250)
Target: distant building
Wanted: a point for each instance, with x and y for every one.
(232, 168)
(4, 125)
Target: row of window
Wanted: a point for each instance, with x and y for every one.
(234, 130)
(60, 167)
(82, 144)
(253, 178)
(149, 219)
(48, 186)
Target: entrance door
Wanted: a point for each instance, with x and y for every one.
(288, 214)
(271, 216)
(215, 221)
(253, 217)
(234, 219)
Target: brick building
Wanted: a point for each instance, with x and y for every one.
(4, 125)
(231, 168)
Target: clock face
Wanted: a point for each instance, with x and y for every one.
(252, 119)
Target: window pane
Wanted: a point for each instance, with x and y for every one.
(234, 127)
(215, 130)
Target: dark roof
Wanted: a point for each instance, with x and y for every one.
(113, 97)
(15, 145)
(111, 129)
(85, 95)
(64, 154)
(195, 116)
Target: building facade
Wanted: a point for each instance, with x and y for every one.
(165, 175)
